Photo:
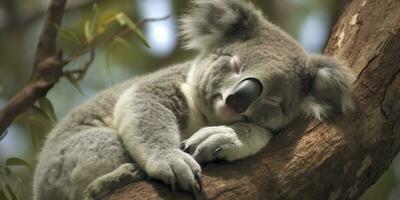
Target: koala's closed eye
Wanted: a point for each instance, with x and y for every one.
(273, 100)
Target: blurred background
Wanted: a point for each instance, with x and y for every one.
(309, 21)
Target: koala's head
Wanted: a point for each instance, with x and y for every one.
(251, 70)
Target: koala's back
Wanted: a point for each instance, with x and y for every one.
(85, 145)
(98, 111)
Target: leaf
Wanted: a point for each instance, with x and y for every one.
(75, 84)
(124, 20)
(104, 20)
(17, 162)
(8, 171)
(95, 20)
(17, 189)
(2, 194)
(96, 9)
(11, 192)
(88, 34)
(48, 108)
(68, 34)
(35, 138)
(39, 116)
(124, 42)
(91, 26)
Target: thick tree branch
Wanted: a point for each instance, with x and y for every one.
(335, 160)
(47, 68)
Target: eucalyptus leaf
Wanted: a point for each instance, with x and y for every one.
(8, 171)
(124, 20)
(88, 33)
(104, 20)
(48, 108)
(17, 162)
(2, 194)
(67, 34)
(75, 84)
(17, 190)
(11, 192)
(94, 23)
(124, 42)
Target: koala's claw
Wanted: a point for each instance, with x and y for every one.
(199, 180)
(172, 183)
(212, 143)
(187, 147)
(196, 191)
(175, 167)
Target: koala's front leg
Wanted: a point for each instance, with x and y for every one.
(150, 133)
(229, 143)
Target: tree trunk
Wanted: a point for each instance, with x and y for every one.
(335, 160)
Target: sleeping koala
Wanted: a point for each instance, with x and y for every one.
(250, 78)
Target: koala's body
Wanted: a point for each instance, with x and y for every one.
(250, 78)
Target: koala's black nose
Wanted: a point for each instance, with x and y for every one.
(245, 93)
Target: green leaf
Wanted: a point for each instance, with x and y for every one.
(2, 194)
(48, 108)
(124, 42)
(96, 9)
(104, 20)
(8, 171)
(11, 192)
(17, 190)
(68, 34)
(17, 162)
(107, 57)
(39, 116)
(75, 84)
(95, 20)
(124, 20)
(88, 34)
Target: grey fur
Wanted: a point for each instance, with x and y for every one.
(140, 124)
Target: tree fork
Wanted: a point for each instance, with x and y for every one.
(331, 160)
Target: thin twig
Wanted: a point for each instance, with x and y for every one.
(78, 74)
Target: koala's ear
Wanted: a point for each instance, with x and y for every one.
(211, 20)
(328, 87)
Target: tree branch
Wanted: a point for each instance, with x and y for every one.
(48, 64)
(335, 160)
(47, 68)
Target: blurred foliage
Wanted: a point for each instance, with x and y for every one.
(10, 187)
(105, 46)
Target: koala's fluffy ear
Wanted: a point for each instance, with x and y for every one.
(328, 87)
(210, 20)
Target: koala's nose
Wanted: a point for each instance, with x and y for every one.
(245, 93)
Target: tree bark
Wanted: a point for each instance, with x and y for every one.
(331, 160)
(47, 68)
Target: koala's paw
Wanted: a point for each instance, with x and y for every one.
(176, 167)
(106, 184)
(212, 143)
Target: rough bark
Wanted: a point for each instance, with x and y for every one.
(331, 160)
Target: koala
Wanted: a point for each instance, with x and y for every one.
(249, 80)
